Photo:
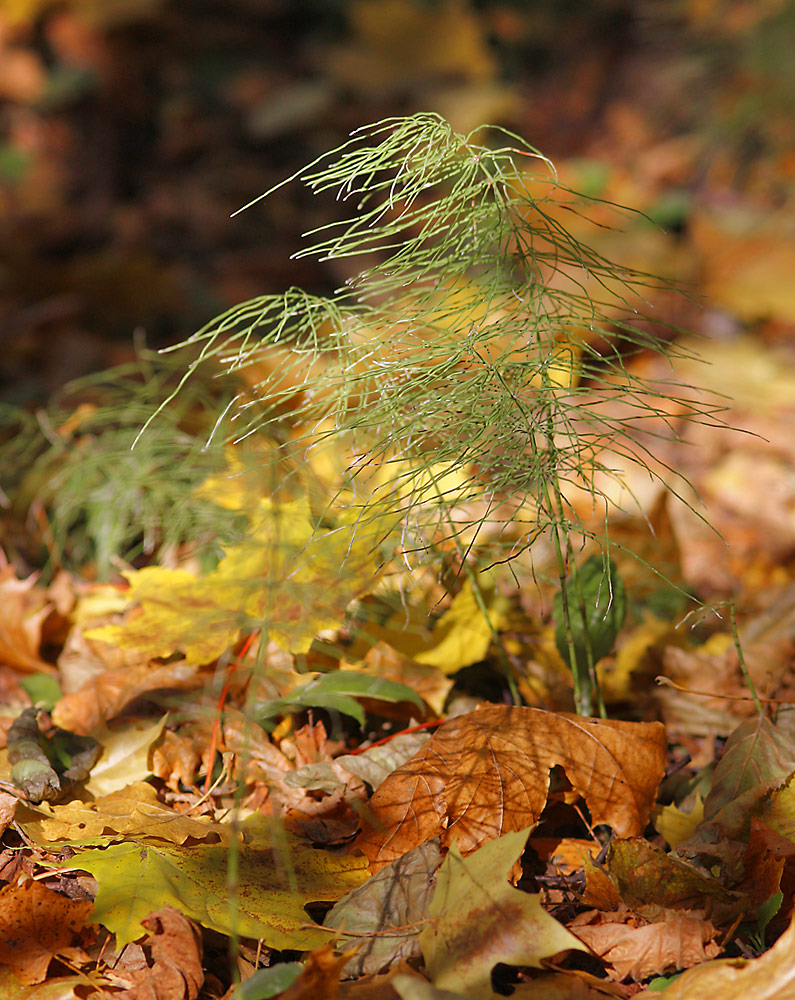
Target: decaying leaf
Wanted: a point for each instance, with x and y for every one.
(636, 950)
(396, 900)
(644, 875)
(770, 977)
(175, 973)
(277, 875)
(36, 924)
(758, 757)
(487, 773)
(477, 919)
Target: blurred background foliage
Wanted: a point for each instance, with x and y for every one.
(130, 130)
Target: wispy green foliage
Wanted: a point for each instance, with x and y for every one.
(70, 470)
(465, 393)
(474, 356)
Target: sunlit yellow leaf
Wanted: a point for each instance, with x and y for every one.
(133, 811)
(287, 578)
(676, 825)
(463, 633)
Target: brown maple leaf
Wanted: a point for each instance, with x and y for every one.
(487, 773)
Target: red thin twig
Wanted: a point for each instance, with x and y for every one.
(386, 739)
(221, 702)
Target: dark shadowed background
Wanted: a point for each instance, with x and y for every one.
(131, 130)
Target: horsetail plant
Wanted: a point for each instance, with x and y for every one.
(452, 401)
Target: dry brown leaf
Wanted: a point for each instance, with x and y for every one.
(770, 977)
(177, 757)
(36, 924)
(83, 659)
(176, 969)
(637, 952)
(8, 805)
(763, 864)
(320, 978)
(487, 773)
(130, 812)
(22, 613)
(105, 696)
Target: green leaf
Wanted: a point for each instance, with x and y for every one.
(586, 628)
(276, 876)
(43, 690)
(596, 605)
(266, 983)
(336, 691)
(757, 760)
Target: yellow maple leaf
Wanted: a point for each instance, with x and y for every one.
(287, 577)
(463, 633)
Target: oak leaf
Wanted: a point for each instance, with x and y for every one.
(487, 773)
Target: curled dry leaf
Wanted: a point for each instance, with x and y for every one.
(176, 969)
(104, 697)
(8, 805)
(487, 773)
(637, 952)
(769, 977)
(23, 610)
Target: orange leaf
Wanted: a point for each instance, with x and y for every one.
(487, 773)
(36, 924)
(320, 977)
(22, 613)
